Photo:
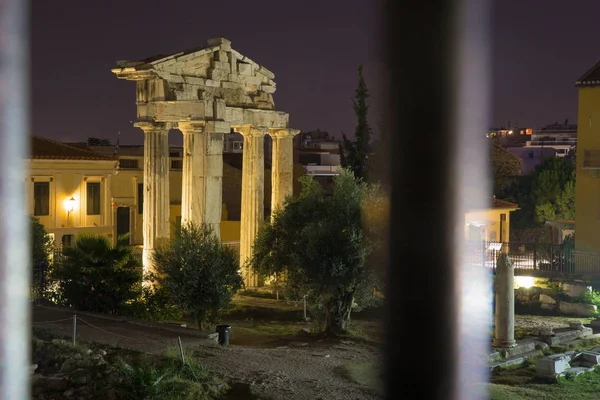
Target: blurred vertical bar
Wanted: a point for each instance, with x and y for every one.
(15, 249)
(438, 113)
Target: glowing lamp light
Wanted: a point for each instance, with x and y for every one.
(524, 281)
(70, 205)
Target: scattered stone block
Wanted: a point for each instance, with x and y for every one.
(580, 309)
(590, 359)
(576, 325)
(552, 366)
(576, 289)
(213, 336)
(545, 299)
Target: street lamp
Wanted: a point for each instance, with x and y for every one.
(70, 205)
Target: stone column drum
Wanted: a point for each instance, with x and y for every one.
(253, 194)
(156, 208)
(282, 173)
(504, 332)
(202, 173)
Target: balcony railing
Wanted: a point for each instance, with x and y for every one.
(591, 159)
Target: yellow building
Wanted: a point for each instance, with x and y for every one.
(73, 189)
(492, 224)
(587, 188)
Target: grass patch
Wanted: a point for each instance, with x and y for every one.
(367, 375)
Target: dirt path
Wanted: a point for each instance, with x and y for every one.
(307, 370)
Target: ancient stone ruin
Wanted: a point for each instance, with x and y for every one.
(207, 93)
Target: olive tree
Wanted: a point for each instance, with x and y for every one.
(322, 245)
(197, 272)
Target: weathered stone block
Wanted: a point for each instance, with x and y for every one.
(576, 289)
(266, 72)
(220, 65)
(212, 83)
(545, 299)
(217, 74)
(251, 80)
(552, 366)
(589, 358)
(245, 69)
(231, 85)
(267, 89)
(576, 325)
(580, 309)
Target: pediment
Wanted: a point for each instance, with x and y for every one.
(215, 70)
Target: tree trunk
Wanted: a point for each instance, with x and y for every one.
(338, 314)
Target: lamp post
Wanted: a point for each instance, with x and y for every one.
(70, 206)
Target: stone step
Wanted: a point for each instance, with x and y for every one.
(515, 360)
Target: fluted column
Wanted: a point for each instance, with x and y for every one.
(202, 174)
(156, 229)
(282, 172)
(253, 194)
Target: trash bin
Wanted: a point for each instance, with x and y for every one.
(223, 331)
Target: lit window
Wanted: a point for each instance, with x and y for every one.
(41, 196)
(93, 198)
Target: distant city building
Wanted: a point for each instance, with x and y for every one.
(560, 137)
(318, 152)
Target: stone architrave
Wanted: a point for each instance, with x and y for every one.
(253, 194)
(504, 332)
(282, 170)
(202, 173)
(156, 207)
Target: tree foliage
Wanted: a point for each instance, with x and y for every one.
(505, 167)
(198, 272)
(41, 246)
(547, 194)
(354, 154)
(321, 245)
(94, 275)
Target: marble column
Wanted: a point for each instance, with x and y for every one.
(282, 172)
(253, 194)
(202, 174)
(504, 329)
(156, 207)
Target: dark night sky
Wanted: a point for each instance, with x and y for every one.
(314, 47)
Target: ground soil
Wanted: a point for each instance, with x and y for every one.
(271, 366)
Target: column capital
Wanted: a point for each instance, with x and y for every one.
(283, 132)
(153, 126)
(251, 130)
(192, 126)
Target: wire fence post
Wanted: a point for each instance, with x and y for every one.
(304, 307)
(181, 350)
(74, 328)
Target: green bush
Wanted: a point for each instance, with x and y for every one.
(154, 304)
(198, 273)
(95, 276)
(41, 246)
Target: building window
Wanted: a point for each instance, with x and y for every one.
(67, 240)
(176, 164)
(93, 198)
(41, 196)
(128, 164)
(140, 201)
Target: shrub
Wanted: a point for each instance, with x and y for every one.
(41, 245)
(198, 272)
(95, 276)
(154, 304)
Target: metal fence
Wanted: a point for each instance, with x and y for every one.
(528, 257)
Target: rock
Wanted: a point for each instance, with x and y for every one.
(32, 369)
(590, 359)
(102, 352)
(305, 330)
(545, 299)
(69, 392)
(213, 336)
(59, 341)
(576, 325)
(576, 289)
(552, 366)
(545, 331)
(580, 309)
(326, 355)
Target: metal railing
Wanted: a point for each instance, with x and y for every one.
(529, 257)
